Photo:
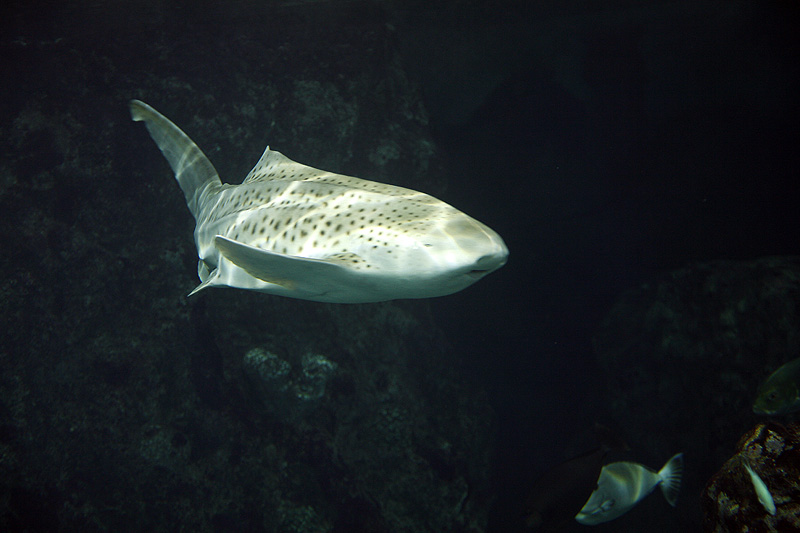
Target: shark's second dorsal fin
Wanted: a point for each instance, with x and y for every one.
(193, 170)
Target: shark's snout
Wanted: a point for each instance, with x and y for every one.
(492, 261)
(489, 262)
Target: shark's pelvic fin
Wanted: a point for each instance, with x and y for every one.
(194, 172)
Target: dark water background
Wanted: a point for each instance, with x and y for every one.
(684, 149)
(607, 143)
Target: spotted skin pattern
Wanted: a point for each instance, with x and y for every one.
(293, 230)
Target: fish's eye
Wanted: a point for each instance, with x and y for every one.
(772, 396)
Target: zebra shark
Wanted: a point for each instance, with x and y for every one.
(293, 230)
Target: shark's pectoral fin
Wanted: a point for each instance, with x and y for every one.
(288, 271)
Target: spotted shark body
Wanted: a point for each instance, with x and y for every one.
(293, 230)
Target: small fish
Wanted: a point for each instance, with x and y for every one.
(780, 392)
(764, 496)
(559, 492)
(622, 485)
(293, 230)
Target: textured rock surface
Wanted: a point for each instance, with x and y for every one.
(125, 406)
(683, 357)
(730, 503)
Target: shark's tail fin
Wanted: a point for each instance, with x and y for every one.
(194, 172)
(671, 478)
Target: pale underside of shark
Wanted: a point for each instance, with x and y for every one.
(293, 230)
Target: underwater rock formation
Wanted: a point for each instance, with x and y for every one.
(683, 357)
(283, 390)
(766, 501)
(125, 406)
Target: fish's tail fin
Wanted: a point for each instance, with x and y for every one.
(671, 478)
(194, 172)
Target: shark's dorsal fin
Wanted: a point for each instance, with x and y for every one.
(276, 166)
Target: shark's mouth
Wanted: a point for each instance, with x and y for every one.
(490, 262)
